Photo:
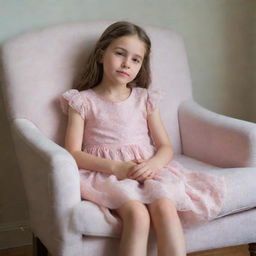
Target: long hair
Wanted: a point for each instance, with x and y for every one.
(93, 72)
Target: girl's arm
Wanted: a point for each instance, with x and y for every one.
(161, 140)
(163, 146)
(73, 143)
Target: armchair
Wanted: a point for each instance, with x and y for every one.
(38, 66)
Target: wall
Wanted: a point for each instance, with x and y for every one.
(253, 109)
(218, 38)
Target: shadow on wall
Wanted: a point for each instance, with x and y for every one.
(238, 59)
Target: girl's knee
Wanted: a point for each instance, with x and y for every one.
(162, 207)
(135, 213)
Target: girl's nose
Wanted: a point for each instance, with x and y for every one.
(126, 64)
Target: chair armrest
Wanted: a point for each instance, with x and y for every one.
(50, 177)
(216, 139)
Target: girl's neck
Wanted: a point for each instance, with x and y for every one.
(111, 90)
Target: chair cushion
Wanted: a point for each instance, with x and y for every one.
(241, 185)
(88, 218)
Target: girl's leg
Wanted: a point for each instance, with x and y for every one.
(170, 238)
(136, 224)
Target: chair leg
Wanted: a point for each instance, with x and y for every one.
(252, 249)
(38, 247)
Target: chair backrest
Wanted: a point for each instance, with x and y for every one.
(40, 65)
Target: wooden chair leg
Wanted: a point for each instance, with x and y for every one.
(38, 247)
(252, 249)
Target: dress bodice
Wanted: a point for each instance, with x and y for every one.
(113, 123)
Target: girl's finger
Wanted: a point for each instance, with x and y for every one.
(144, 176)
(143, 179)
(138, 173)
(133, 173)
(150, 177)
(135, 169)
(138, 161)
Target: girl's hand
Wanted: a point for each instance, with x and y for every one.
(123, 168)
(144, 170)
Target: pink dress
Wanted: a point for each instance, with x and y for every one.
(119, 131)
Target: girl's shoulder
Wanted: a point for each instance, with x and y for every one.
(151, 97)
(84, 95)
(149, 93)
(78, 100)
(141, 92)
(74, 93)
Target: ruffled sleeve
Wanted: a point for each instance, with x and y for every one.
(153, 99)
(74, 99)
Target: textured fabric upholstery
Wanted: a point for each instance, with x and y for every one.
(40, 65)
(45, 63)
(59, 194)
(237, 198)
(216, 139)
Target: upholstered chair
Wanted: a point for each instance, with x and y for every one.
(37, 67)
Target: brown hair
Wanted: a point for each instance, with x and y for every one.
(93, 72)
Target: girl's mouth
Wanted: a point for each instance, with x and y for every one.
(122, 73)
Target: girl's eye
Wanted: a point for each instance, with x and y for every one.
(120, 53)
(136, 60)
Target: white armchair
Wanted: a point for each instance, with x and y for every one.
(38, 66)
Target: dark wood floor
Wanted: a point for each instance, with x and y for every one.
(19, 251)
(228, 251)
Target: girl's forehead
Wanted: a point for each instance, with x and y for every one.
(131, 43)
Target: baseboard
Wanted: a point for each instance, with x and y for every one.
(15, 234)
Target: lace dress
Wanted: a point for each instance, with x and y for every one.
(119, 131)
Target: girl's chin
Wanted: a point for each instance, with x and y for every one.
(123, 81)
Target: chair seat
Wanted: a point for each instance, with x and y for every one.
(239, 197)
(88, 219)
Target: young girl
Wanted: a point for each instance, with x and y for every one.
(123, 152)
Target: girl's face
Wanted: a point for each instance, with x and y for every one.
(123, 59)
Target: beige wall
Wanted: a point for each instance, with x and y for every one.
(253, 112)
(218, 38)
